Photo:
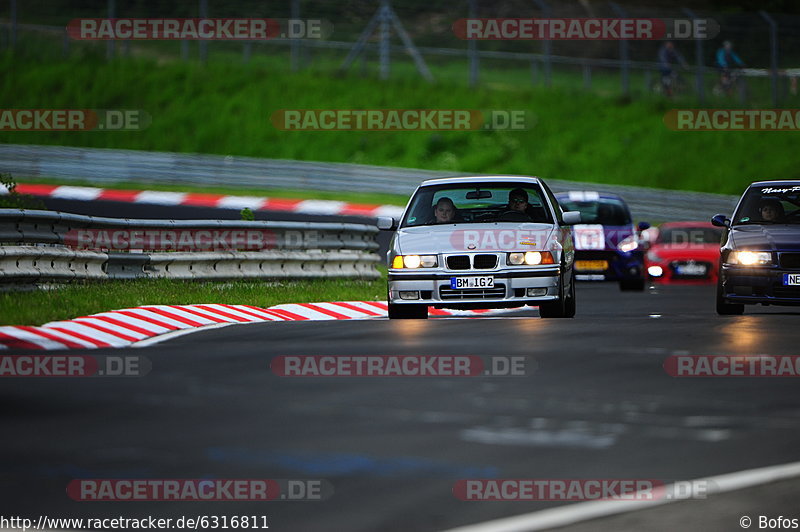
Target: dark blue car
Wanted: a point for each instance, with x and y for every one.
(607, 245)
(760, 253)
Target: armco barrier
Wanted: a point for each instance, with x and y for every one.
(106, 166)
(32, 250)
(49, 263)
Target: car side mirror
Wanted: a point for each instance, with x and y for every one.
(571, 217)
(643, 226)
(720, 220)
(387, 223)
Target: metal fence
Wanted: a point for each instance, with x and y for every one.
(33, 249)
(104, 166)
(767, 42)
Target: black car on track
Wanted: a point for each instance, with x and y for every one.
(760, 251)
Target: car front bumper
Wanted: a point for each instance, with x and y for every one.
(758, 285)
(510, 287)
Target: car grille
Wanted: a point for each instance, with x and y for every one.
(448, 294)
(458, 262)
(484, 262)
(478, 262)
(595, 254)
(790, 260)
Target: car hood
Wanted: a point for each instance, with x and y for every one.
(596, 236)
(455, 238)
(766, 237)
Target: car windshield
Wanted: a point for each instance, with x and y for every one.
(604, 211)
(689, 235)
(477, 203)
(769, 204)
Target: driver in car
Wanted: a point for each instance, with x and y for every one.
(518, 203)
(771, 210)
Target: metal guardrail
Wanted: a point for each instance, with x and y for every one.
(105, 166)
(34, 249)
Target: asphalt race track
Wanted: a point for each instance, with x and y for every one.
(597, 403)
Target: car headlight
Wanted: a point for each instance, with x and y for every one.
(629, 244)
(530, 258)
(750, 258)
(414, 261)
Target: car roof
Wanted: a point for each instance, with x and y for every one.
(600, 195)
(466, 180)
(792, 182)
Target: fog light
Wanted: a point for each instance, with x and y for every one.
(655, 271)
(535, 292)
(413, 294)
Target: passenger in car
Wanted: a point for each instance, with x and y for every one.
(445, 211)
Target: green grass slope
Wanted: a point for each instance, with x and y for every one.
(225, 108)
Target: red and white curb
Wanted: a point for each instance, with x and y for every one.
(196, 199)
(126, 327)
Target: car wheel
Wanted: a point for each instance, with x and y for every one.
(632, 285)
(563, 307)
(408, 312)
(727, 309)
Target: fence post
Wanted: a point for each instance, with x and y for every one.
(623, 52)
(295, 43)
(13, 15)
(698, 50)
(773, 54)
(547, 43)
(203, 42)
(65, 44)
(384, 40)
(112, 13)
(246, 51)
(587, 75)
(473, 47)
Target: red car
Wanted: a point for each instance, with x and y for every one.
(684, 252)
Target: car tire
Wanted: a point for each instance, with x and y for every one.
(632, 285)
(563, 307)
(727, 309)
(408, 312)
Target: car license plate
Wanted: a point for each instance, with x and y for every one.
(591, 265)
(459, 283)
(791, 279)
(691, 269)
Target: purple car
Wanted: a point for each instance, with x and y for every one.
(607, 244)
